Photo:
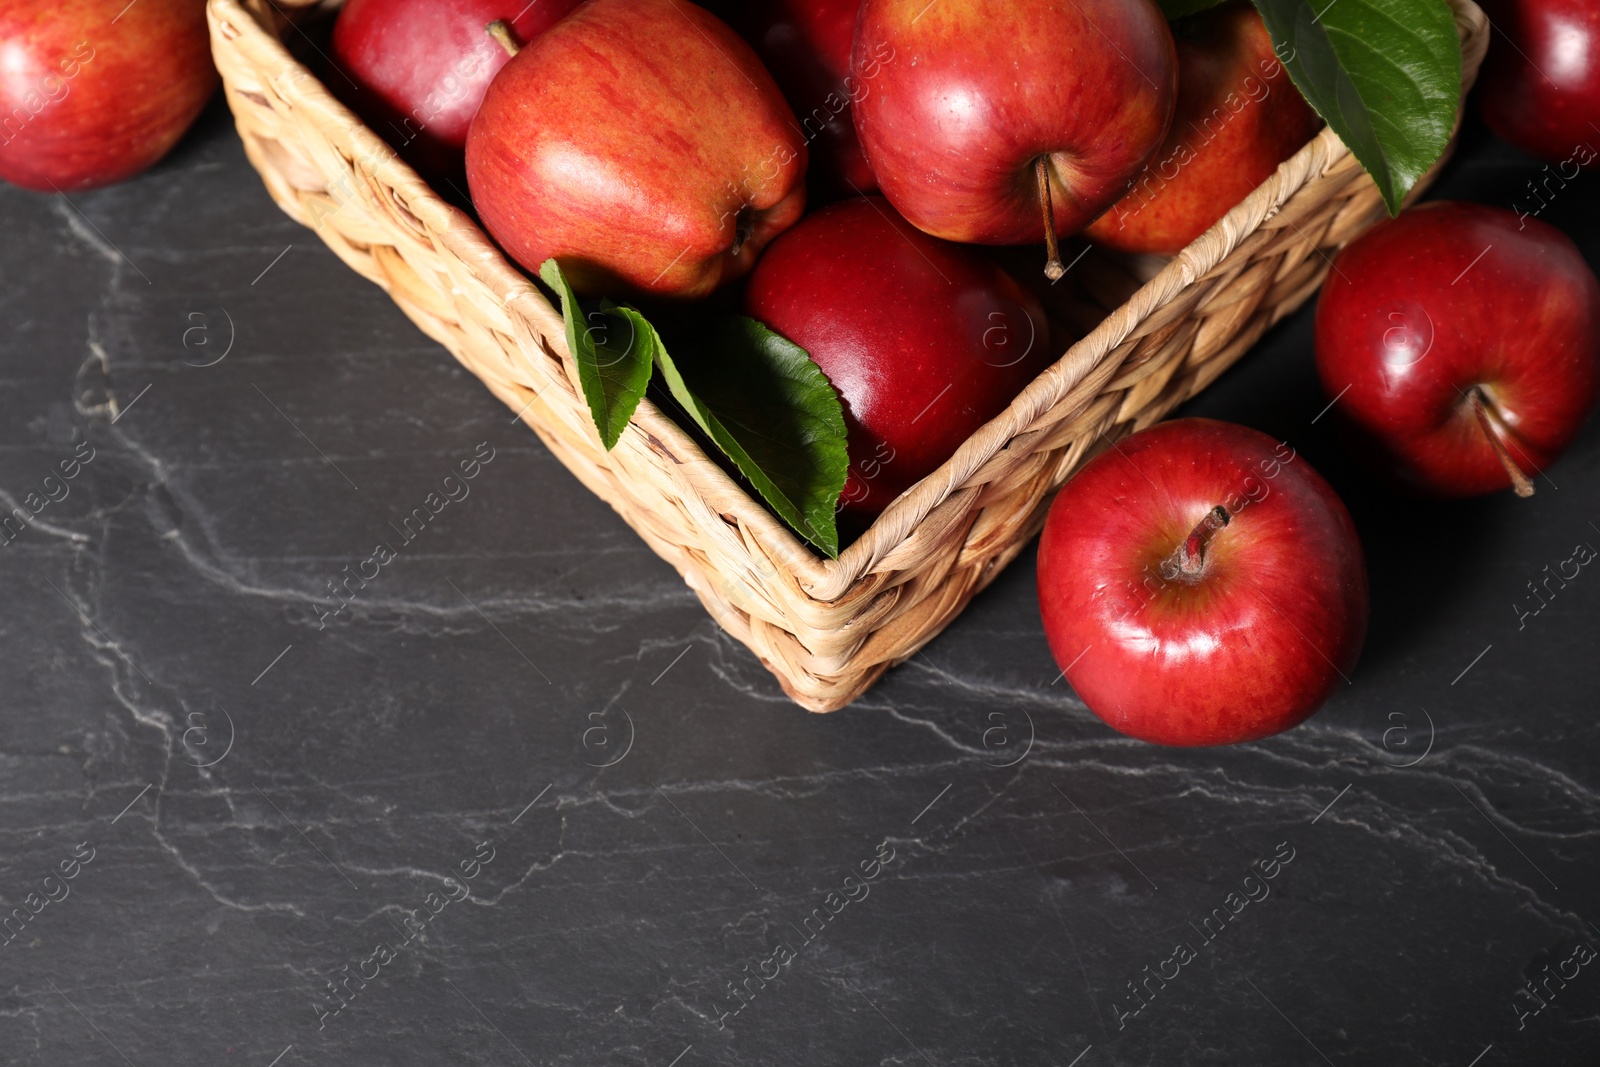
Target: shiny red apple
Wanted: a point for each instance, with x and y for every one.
(924, 340)
(991, 119)
(643, 145)
(806, 46)
(1540, 88)
(1201, 585)
(419, 68)
(1462, 346)
(1238, 117)
(94, 91)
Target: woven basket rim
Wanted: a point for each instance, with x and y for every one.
(821, 579)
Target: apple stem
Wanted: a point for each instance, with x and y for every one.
(1191, 555)
(1052, 267)
(1492, 429)
(502, 36)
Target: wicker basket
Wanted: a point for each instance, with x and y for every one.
(827, 628)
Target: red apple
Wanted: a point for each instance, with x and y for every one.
(1238, 117)
(924, 340)
(1461, 344)
(1201, 585)
(94, 91)
(420, 68)
(1541, 84)
(643, 145)
(985, 108)
(806, 46)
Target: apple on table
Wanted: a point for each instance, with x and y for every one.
(93, 92)
(1200, 584)
(1461, 347)
(1541, 81)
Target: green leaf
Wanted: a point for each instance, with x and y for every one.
(1385, 74)
(1177, 9)
(614, 348)
(758, 396)
(772, 411)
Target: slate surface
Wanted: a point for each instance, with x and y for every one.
(263, 800)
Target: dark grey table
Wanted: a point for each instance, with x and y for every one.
(261, 805)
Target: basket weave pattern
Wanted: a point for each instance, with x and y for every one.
(826, 628)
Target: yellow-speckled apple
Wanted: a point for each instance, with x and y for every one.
(1238, 117)
(642, 145)
(94, 91)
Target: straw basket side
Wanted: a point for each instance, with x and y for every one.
(1150, 337)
